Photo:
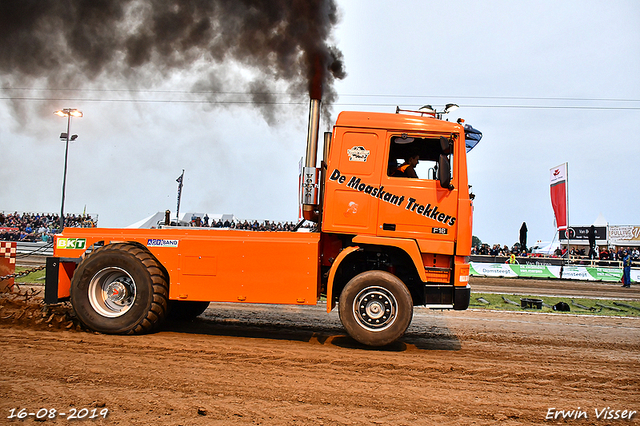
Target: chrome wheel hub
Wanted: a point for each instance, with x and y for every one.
(117, 292)
(112, 292)
(375, 308)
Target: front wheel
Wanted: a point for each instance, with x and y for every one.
(120, 289)
(375, 308)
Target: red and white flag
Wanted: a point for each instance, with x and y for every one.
(559, 195)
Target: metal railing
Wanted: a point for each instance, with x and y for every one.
(34, 248)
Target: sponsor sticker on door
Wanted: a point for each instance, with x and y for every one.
(358, 153)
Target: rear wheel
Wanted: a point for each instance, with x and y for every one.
(120, 289)
(375, 308)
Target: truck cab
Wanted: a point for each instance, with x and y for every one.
(417, 229)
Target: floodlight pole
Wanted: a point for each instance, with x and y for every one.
(67, 112)
(64, 178)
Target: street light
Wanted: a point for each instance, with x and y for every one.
(67, 112)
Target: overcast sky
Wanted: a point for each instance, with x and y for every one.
(547, 82)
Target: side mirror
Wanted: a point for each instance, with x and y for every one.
(445, 145)
(444, 171)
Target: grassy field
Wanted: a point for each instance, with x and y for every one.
(593, 306)
(33, 278)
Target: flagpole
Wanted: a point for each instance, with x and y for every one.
(567, 201)
(179, 180)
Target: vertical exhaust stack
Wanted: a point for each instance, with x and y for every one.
(310, 172)
(312, 135)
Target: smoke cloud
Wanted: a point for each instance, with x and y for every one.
(70, 44)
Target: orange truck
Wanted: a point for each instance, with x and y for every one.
(382, 243)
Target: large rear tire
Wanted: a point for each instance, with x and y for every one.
(120, 289)
(375, 308)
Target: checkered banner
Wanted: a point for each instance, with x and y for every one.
(8, 250)
(7, 261)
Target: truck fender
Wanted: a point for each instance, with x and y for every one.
(407, 245)
(332, 274)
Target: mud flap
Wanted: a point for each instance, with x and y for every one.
(58, 278)
(461, 297)
(438, 295)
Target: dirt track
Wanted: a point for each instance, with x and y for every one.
(256, 364)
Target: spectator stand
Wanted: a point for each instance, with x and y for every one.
(217, 221)
(33, 227)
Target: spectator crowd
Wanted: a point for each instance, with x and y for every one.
(245, 225)
(578, 253)
(38, 226)
(255, 226)
(497, 250)
(42, 226)
(606, 254)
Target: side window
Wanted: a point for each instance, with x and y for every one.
(416, 157)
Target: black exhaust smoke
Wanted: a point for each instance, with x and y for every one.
(71, 44)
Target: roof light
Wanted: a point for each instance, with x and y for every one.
(450, 107)
(428, 109)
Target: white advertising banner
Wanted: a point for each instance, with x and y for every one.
(624, 235)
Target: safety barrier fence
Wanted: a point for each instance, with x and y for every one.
(565, 272)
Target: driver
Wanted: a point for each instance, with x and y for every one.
(408, 168)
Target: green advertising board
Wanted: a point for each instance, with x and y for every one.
(584, 273)
(536, 271)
